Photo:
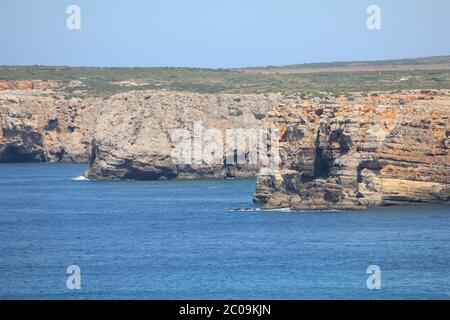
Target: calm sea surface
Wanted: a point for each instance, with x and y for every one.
(180, 239)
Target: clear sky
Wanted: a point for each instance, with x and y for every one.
(219, 33)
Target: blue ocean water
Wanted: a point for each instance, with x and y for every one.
(179, 240)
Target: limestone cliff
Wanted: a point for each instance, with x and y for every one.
(335, 153)
(132, 137)
(381, 150)
(41, 126)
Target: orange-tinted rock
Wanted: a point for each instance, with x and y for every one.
(391, 149)
(16, 84)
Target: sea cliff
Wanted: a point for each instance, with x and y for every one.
(335, 152)
(38, 126)
(385, 149)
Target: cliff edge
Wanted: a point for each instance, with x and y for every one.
(45, 126)
(134, 136)
(386, 149)
(346, 152)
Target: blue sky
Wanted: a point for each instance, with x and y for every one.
(211, 33)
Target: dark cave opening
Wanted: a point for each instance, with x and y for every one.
(18, 154)
(373, 165)
(52, 125)
(322, 163)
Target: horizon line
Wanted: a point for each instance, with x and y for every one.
(296, 65)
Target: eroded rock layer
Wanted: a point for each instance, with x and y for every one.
(133, 136)
(381, 150)
(335, 153)
(38, 126)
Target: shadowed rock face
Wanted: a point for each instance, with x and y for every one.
(335, 154)
(386, 150)
(38, 126)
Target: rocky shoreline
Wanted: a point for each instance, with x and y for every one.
(335, 152)
(381, 150)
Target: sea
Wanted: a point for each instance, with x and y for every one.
(65, 237)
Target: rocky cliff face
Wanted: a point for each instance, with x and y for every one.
(335, 153)
(41, 126)
(133, 137)
(383, 150)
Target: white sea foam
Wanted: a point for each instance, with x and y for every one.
(278, 210)
(245, 209)
(283, 210)
(80, 178)
(262, 210)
